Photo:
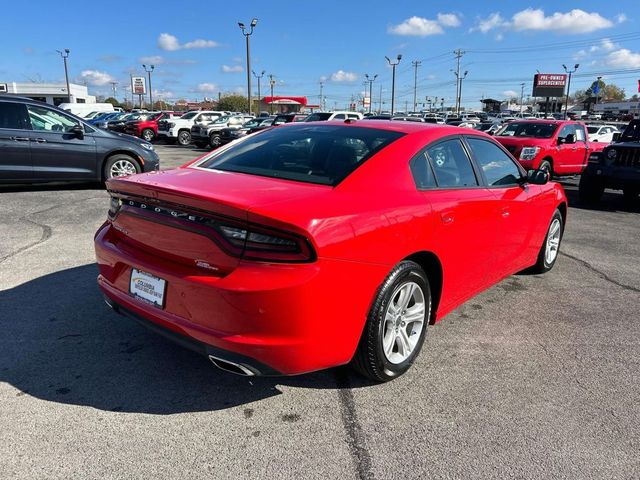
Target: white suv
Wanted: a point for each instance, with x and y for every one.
(179, 129)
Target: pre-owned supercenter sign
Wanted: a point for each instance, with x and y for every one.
(549, 84)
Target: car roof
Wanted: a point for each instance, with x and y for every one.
(395, 126)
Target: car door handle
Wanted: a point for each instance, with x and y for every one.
(574, 149)
(39, 140)
(505, 212)
(447, 217)
(20, 139)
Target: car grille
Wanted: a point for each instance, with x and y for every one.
(628, 157)
(162, 125)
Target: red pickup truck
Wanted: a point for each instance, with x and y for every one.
(559, 146)
(146, 127)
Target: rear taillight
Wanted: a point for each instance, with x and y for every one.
(263, 244)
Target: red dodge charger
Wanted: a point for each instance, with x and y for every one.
(313, 245)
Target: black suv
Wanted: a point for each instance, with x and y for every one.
(617, 167)
(42, 143)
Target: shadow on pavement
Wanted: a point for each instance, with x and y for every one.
(612, 201)
(50, 187)
(61, 343)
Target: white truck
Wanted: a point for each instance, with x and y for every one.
(179, 129)
(84, 109)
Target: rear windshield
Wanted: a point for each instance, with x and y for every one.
(312, 154)
(318, 117)
(528, 129)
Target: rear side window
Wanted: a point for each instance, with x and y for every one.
(14, 116)
(49, 120)
(451, 164)
(498, 168)
(324, 154)
(422, 172)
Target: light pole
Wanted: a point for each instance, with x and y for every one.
(64, 56)
(247, 34)
(393, 79)
(258, 77)
(113, 85)
(415, 64)
(459, 80)
(370, 80)
(570, 72)
(521, 97)
(321, 96)
(272, 82)
(597, 93)
(151, 67)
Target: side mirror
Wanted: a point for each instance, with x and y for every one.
(78, 131)
(561, 140)
(537, 177)
(616, 137)
(571, 138)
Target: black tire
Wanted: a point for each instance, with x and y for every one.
(108, 170)
(590, 188)
(184, 137)
(148, 135)
(215, 140)
(370, 359)
(546, 166)
(542, 265)
(630, 194)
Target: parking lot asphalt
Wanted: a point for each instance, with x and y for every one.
(537, 377)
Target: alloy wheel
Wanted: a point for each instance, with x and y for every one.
(553, 242)
(122, 168)
(403, 322)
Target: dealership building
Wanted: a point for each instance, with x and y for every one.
(52, 93)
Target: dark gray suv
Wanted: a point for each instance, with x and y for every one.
(42, 143)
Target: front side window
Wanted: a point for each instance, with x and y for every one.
(451, 165)
(498, 168)
(567, 130)
(13, 116)
(324, 154)
(50, 120)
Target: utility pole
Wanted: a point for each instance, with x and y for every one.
(272, 82)
(151, 67)
(64, 56)
(458, 53)
(380, 102)
(113, 85)
(570, 72)
(393, 79)
(321, 98)
(597, 93)
(246, 34)
(370, 80)
(416, 64)
(521, 97)
(258, 77)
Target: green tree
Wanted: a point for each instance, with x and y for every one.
(112, 101)
(234, 103)
(634, 97)
(613, 92)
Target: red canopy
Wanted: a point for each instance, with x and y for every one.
(276, 100)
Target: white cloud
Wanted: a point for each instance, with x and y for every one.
(418, 27)
(207, 88)
(162, 94)
(574, 21)
(342, 76)
(151, 60)
(624, 58)
(510, 93)
(605, 45)
(493, 21)
(448, 20)
(95, 78)
(170, 43)
(232, 68)
(621, 18)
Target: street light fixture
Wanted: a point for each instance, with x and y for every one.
(151, 67)
(247, 33)
(570, 72)
(393, 79)
(64, 56)
(370, 80)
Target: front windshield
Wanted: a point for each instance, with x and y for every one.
(631, 133)
(224, 119)
(189, 115)
(528, 130)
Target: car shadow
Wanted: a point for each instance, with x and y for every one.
(611, 201)
(50, 187)
(61, 343)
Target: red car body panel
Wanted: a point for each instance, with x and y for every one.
(136, 127)
(285, 315)
(567, 159)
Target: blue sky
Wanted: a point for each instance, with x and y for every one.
(198, 48)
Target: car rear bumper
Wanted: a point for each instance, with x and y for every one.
(278, 318)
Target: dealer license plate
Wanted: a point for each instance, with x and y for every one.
(147, 287)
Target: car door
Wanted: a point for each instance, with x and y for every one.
(514, 204)
(465, 218)
(15, 149)
(570, 155)
(57, 153)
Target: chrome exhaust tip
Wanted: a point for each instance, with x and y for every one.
(231, 367)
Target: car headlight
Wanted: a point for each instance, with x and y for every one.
(612, 154)
(529, 153)
(147, 146)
